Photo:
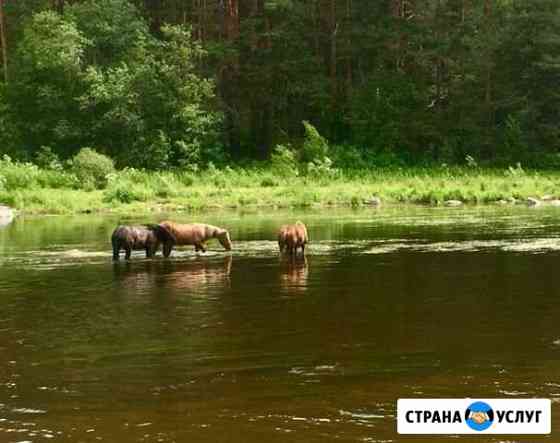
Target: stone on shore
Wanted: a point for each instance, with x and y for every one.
(452, 203)
(6, 215)
(373, 201)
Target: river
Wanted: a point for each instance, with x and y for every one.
(247, 346)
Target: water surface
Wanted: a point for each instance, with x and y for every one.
(249, 347)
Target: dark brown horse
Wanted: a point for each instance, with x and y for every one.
(147, 238)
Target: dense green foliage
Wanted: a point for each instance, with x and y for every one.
(95, 76)
(158, 85)
(91, 168)
(35, 190)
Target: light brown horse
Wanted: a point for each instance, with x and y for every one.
(196, 234)
(292, 237)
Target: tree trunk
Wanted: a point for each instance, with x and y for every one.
(4, 42)
(349, 76)
(396, 45)
(154, 10)
(58, 6)
(231, 21)
(489, 57)
(203, 21)
(229, 77)
(332, 68)
(487, 94)
(200, 19)
(438, 62)
(195, 19)
(261, 108)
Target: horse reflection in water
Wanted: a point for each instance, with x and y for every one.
(194, 275)
(136, 278)
(200, 274)
(294, 274)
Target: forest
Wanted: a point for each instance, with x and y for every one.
(162, 84)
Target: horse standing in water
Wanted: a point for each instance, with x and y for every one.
(292, 237)
(146, 238)
(196, 234)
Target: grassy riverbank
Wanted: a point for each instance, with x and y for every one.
(41, 191)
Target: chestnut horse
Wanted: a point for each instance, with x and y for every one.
(196, 234)
(292, 237)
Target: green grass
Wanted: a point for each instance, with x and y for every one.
(32, 190)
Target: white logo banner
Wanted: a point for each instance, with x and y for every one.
(473, 416)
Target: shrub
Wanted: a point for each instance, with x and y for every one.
(315, 146)
(9, 199)
(384, 158)
(165, 185)
(45, 158)
(347, 157)
(215, 153)
(471, 162)
(546, 161)
(355, 201)
(136, 176)
(17, 175)
(219, 182)
(215, 176)
(185, 178)
(518, 171)
(269, 182)
(125, 192)
(92, 167)
(515, 145)
(56, 179)
(321, 168)
(188, 154)
(283, 161)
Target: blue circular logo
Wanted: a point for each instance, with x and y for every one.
(479, 416)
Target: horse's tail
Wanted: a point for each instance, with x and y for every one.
(281, 242)
(282, 237)
(162, 234)
(303, 231)
(116, 243)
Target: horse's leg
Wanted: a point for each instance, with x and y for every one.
(128, 252)
(154, 249)
(167, 247)
(293, 253)
(116, 248)
(200, 247)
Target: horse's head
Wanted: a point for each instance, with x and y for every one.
(223, 237)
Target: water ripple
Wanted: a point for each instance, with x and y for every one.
(44, 260)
